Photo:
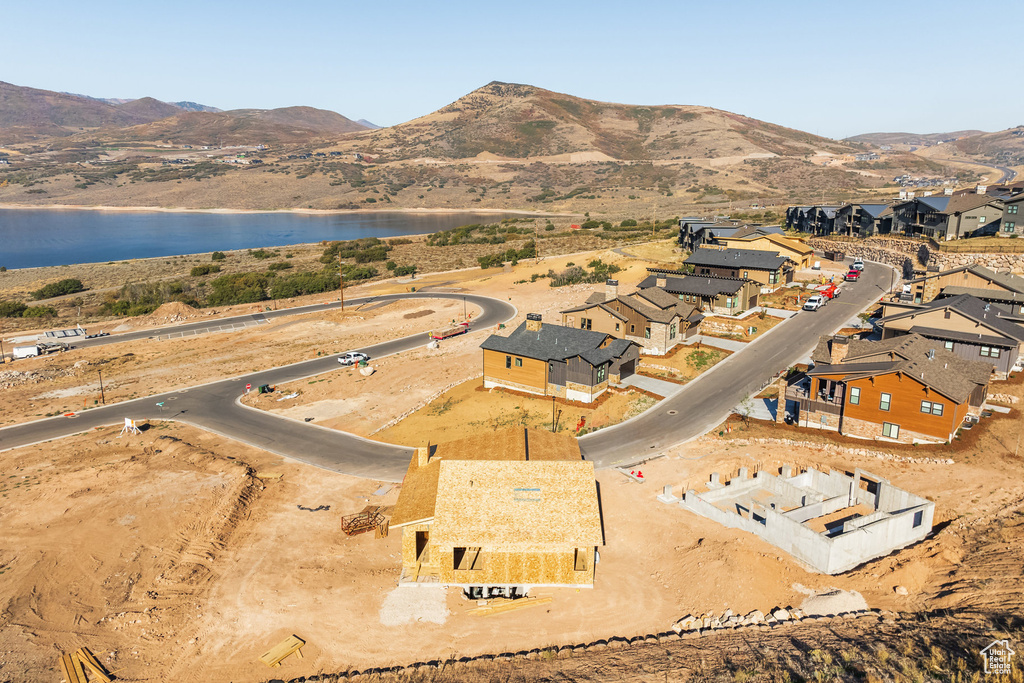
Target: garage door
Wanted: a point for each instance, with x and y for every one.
(627, 369)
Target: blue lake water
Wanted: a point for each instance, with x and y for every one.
(32, 238)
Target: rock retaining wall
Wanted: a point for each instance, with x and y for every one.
(899, 253)
(838, 450)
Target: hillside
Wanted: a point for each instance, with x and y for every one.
(1005, 147)
(320, 121)
(29, 112)
(519, 121)
(918, 139)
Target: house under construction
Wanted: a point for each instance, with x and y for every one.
(499, 514)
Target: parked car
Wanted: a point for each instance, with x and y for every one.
(858, 265)
(853, 275)
(352, 358)
(814, 303)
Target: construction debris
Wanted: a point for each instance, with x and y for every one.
(73, 666)
(361, 522)
(500, 607)
(287, 647)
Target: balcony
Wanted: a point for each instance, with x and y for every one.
(821, 402)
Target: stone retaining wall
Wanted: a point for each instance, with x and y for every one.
(900, 252)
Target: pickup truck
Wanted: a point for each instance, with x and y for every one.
(814, 303)
(858, 265)
(853, 275)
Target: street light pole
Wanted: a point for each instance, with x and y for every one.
(465, 315)
(103, 396)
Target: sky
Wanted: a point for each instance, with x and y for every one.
(832, 68)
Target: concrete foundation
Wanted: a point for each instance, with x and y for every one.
(830, 521)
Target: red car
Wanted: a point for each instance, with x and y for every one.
(853, 275)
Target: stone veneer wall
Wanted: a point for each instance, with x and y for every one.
(918, 254)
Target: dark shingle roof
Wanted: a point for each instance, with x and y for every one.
(701, 285)
(983, 294)
(1009, 281)
(972, 308)
(946, 372)
(657, 313)
(736, 258)
(613, 350)
(552, 342)
(966, 337)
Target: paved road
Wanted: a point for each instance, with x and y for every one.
(709, 399)
(1008, 173)
(214, 407)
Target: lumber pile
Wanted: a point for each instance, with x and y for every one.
(507, 606)
(287, 647)
(81, 666)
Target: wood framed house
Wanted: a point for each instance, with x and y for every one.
(718, 295)
(770, 269)
(969, 327)
(796, 251)
(500, 514)
(554, 360)
(653, 318)
(904, 389)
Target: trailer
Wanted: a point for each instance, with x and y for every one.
(25, 351)
(451, 331)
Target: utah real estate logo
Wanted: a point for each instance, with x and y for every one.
(997, 657)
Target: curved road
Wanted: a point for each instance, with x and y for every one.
(702, 404)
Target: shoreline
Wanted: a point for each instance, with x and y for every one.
(314, 212)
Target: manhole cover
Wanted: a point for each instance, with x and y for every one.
(673, 412)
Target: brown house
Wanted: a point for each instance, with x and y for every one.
(975, 280)
(554, 360)
(500, 514)
(718, 295)
(768, 269)
(965, 325)
(905, 389)
(796, 251)
(653, 318)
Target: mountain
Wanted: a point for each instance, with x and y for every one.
(520, 121)
(30, 112)
(368, 124)
(320, 121)
(195, 106)
(916, 139)
(1005, 147)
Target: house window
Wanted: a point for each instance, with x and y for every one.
(926, 407)
(883, 403)
(467, 559)
(989, 352)
(519, 362)
(948, 345)
(937, 409)
(730, 302)
(585, 323)
(746, 274)
(616, 327)
(602, 372)
(508, 362)
(981, 220)
(1011, 209)
(672, 331)
(647, 333)
(773, 277)
(632, 329)
(580, 562)
(855, 396)
(890, 431)
(1008, 226)
(918, 518)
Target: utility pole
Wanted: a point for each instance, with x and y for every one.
(553, 415)
(465, 315)
(3, 358)
(341, 273)
(103, 396)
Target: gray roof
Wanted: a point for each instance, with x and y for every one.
(663, 312)
(701, 285)
(946, 372)
(982, 293)
(737, 258)
(935, 203)
(966, 337)
(614, 350)
(1009, 281)
(972, 308)
(553, 342)
(873, 210)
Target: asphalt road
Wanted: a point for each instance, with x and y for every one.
(214, 406)
(701, 405)
(709, 399)
(1008, 173)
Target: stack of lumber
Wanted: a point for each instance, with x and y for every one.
(75, 665)
(502, 606)
(288, 646)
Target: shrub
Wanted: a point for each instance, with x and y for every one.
(280, 265)
(365, 250)
(39, 312)
(3, 269)
(66, 286)
(405, 270)
(204, 269)
(217, 256)
(11, 309)
(529, 250)
(574, 275)
(263, 254)
(628, 223)
(401, 240)
(390, 265)
(304, 283)
(239, 288)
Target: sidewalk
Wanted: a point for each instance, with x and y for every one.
(658, 387)
(726, 344)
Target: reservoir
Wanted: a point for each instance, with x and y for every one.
(38, 237)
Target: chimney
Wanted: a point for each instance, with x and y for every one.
(660, 280)
(839, 348)
(533, 322)
(611, 289)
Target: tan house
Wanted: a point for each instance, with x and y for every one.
(500, 514)
(796, 251)
(975, 280)
(718, 295)
(767, 268)
(653, 318)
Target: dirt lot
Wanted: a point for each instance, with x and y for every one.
(683, 363)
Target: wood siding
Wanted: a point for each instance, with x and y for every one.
(533, 373)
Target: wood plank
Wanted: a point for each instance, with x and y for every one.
(274, 655)
(89, 660)
(508, 606)
(69, 667)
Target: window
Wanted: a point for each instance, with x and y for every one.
(602, 373)
(519, 362)
(937, 409)
(1011, 209)
(746, 274)
(467, 559)
(508, 362)
(883, 403)
(948, 345)
(989, 352)
(890, 431)
(1009, 226)
(918, 518)
(730, 302)
(586, 323)
(855, 396)
(981, 220)
(773, 277)
(647, 333)
(926, 407)
(632, 329)
(672, 331)
(616, 327)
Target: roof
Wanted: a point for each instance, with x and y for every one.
(551, 342)
(971, 308)
(937, 204)
(736, 258)
(968, 202)
(780, 240)
(701, 285)
(662, 299)
(945, 372)
(654, 304)
(966, 337)
(417, 499)
(873, 210)
(1008, 281)
(757, 231)
(983, 294)
(517, 506)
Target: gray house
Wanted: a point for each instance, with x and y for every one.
(770, 269)
(1013, 216)
(863, 220)
(719, 295)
